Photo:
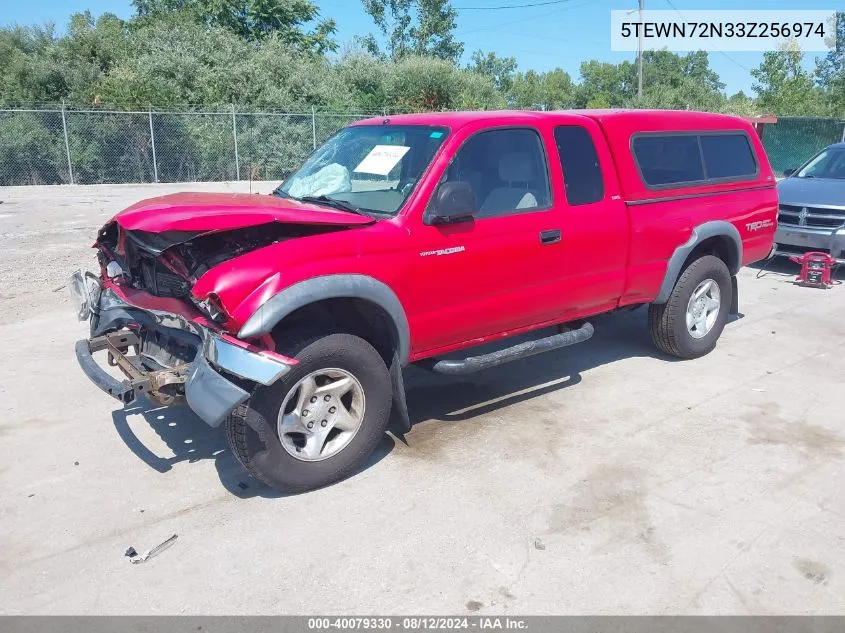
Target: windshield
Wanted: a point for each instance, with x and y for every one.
(829, 163)
(366, 168)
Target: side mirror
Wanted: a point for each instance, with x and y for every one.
(451, 202)
(788, 172)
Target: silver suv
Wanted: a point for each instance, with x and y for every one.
(812, 205)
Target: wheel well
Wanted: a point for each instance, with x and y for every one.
(360, 317)
(720, 246)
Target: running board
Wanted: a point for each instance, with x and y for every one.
(459, 366)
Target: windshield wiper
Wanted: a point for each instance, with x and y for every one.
(332, 202)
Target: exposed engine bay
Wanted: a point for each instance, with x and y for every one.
(168, 264)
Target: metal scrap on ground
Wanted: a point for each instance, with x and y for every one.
(133, 555)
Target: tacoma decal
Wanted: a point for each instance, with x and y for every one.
(443, 251)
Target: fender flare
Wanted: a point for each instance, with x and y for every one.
(343, 286)
(716, 228)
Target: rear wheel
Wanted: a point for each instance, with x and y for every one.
(319, 423)
(689, 324)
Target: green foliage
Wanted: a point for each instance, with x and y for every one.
(428, 31)
(830, 71)
(268, 54)
(666, 69)
(271, 55)
(252, 19)
(30, 71)
(500, 69)
(604, 85)
(30, 148)
(425, 83)
(740, 105)
(553, 90)
(784, 87)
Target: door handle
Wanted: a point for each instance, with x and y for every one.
(552, 236)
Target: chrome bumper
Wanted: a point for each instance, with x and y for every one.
(806, 238)
(208, 392)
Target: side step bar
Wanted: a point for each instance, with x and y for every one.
(456, 367)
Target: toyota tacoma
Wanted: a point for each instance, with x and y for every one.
(416, 239)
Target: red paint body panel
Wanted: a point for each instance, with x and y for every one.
(222, 211)
(498, 279)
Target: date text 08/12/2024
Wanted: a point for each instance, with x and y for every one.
(417, 623)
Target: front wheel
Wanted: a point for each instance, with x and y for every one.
(689, 324)
(320, 422)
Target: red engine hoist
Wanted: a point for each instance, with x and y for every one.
(816, 269)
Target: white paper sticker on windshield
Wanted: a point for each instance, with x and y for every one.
(381, 159)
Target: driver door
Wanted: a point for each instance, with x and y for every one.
(490, 274)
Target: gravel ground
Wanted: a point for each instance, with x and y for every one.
(600, 479)
(46, 233)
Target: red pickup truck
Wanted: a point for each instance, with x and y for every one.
(405, 239)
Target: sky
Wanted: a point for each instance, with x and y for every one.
(540, 37)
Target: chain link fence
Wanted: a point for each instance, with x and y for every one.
(62, 146)
(792, 141)
(47, 147)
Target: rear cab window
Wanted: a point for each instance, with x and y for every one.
(678, 159)
(579, 161)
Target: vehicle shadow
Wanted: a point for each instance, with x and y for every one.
(190, 439)
(618, 335)
(431, 398)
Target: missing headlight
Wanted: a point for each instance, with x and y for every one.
(213, 309)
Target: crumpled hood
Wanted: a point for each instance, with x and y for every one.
(211, 212)
(812, 191)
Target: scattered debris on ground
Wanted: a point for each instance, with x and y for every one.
(133, 554)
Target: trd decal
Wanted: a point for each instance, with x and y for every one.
(762, 224)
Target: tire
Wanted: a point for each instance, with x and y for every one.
(667, 322)
(252, 429)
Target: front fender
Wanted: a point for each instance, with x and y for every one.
(341, 286)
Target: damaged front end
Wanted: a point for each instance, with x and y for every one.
(167, 356)
(173, 271)
(169, 264)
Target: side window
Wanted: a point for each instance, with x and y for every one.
(668, 160)
(694, 158)
(579, 162)
(728, 156)
(506, 169)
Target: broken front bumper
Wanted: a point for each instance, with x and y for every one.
(177, 356)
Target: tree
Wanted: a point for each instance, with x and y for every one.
(665, 68)
(500, 69)
(253, 19)
(428, 32)
(830, 70)
(90, 51)
(783, 86)
(558, 90)
(740, 104)
(605, 85)
(29, 70)
(428, 83)
(553, 90)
